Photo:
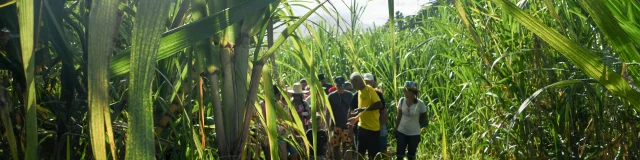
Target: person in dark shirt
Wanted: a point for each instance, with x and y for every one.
(322, 138)
(325, 85)
(339, 101)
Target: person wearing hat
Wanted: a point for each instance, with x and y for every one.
(301, 107)
(348, 86)
(411, 117)
(339, 101)
(367, 115)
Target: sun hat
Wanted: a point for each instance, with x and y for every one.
(340, 81)
(368, 77)
(410, 85)
(297, 89)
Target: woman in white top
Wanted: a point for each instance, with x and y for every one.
(412, 113)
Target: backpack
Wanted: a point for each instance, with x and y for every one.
(422, 125)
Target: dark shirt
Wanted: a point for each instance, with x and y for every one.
(322, 140)
(354, 100)
(340, 107)
(326, 88)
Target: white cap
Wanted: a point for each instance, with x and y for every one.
(368, 77)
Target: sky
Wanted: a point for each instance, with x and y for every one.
(376, 11)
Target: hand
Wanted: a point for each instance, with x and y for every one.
(395, 132)
(357, 111)
(352, 120)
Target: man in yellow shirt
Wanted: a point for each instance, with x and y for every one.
(368, 115)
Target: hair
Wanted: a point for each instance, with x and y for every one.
(275, 90)
(354, 75)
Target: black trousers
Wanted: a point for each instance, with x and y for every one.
(368, 141)
(407, 143)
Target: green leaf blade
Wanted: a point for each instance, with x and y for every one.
(147, 33)
(101, 19)
(184, 36)
(588, 63)
(26, 21)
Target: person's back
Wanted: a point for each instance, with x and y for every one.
(322, 138)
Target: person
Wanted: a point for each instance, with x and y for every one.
(332, 89)
(303, 82)
(325, 86)
(411, 116)
(322, 138)
(384, 117)
(286, 150)
(348, 86)
(368, 117)
(301, 107)
(339, 102)
(307, 96)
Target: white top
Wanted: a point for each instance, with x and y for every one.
(410, 122)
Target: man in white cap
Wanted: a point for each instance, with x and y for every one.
(384, 117)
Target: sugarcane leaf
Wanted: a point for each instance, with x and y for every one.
(288, 32)
(101, 19)
(270, 103)
(184, 36)
(147, 33)
(617, 37)
(587, 62)
(26, 22)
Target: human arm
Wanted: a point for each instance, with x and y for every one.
(384, 116)
(423, 118)
(373, 97)
(374, 106)
(423, 113)
(398, 116)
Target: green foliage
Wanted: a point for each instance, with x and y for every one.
(102, 20)
(146, 38)
(534, 79)
(27, 43)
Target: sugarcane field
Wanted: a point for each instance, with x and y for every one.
(319, 79)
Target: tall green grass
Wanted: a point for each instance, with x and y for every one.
(479, 75)
(502, 79)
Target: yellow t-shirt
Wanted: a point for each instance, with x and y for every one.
(369, 120)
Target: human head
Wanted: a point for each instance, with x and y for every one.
(321, 77)
(356, 81)
(410, 89)
(303, 82)
(339, 83)
(296, 91)
(369, 79)
(348, 86)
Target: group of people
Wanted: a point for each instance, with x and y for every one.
(359, 119)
